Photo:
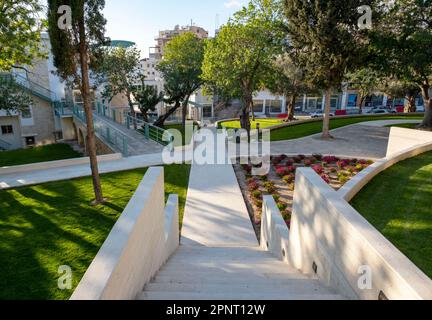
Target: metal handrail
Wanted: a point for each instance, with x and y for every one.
(108, 133)
(33, 87)
(5, 145)
(152, 132)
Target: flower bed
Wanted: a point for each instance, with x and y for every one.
(280, 181)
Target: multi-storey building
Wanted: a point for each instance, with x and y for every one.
(36, 124)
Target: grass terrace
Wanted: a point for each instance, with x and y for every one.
(300, 130)
(51, 152)
(45, 226)
(398, 203)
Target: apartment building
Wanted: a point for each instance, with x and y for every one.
(36, 125)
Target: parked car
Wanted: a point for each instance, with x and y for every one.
(320, 114)
(378, 111)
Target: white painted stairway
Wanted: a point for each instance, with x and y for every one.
(231, 273)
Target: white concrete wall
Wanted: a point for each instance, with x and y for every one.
(143, 238)
(68, 129)
(327, 231)
(57, 164)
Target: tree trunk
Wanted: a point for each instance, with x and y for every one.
(326, 120)
(161, 121)
(145, 115)
(184, 112)
(290, 108)
(245, 114)
(427, 121)
(252, 111)
(362, 100)
(411, 105)
(91, 138)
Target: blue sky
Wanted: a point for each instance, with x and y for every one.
(141, 20)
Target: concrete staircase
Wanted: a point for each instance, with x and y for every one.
(231, 273)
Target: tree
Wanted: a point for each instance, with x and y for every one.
(329, 41)
(147, 98)
(120, 73)
(20, 30)
(181, 71)
(238, 60)
(288, 79)
(12, 97)
(403, 41)
(395, 89)
(365, 81)
(76, 49)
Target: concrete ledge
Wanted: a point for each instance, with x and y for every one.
(331, 238)
(274, 231)
(141, 241)
(57, 164)
(403, 144)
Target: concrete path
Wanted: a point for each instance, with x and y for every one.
(137, 144)
(358, 141)
(365, 140)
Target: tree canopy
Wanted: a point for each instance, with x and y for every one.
(181, 69)
(20, 32)
(12, 97)
(238, 60)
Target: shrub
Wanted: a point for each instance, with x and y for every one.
(291, 187)
(270, 187)
(290, 162)
(318, 169)
(247, 168)
(326, 178)
(297, 159)
(333, 169)
(253, 186)
(307, 163)
(257, 194)
(289, 178)
(282, 206)
(359, 167)
(342, 178)
(330, 159)
(250, 180)
(291, 169)
(263, 178)
(319, 157)
(281, 171)
(302, 156)
(258, 203)
(351, 169)
(276, 197)
(341, 164)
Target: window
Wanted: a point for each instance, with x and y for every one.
(352, 100)
(275, 106)
(258, 106)
(30, 141)
(26, 113)
(207, 111)
(8, 129)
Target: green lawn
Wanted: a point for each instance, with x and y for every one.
(51, 152)
(404, 125)
(264, 123)
(179, 127)
(307, 129)
(45, 226)
(398, 204)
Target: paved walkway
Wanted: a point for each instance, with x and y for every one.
(137, 144)
(357, 141)
(365, 140)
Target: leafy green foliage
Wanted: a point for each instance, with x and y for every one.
(147, 98)
(20, 28)
(239, 58)
(181, 70)
(87, 30)
(12, 97)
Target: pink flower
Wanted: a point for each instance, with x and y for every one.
(281, 171)
(326, 178)
(318, 169)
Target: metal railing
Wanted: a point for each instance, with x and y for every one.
(4, 145)
(32, 86)
(106, 132)
(150, 131)
(62, 109)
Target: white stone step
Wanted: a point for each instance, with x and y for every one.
(234, 296)
(226, 278)
(294, 286)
